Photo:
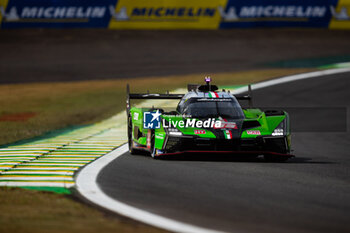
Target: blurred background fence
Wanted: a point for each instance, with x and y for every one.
(174, 14)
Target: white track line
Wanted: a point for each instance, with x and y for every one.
(37, 184)
(291, 78)
(86, 180)
(18, 154)
(72, 156)
(45, 168)
(36, 172)
(60, 161)
(54, 164)
(87, 185)
(36, 178)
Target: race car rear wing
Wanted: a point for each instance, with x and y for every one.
(248, 96)
(147, 95)
(167, 95)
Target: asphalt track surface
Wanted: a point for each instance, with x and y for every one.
(44, 55)
(310, 193)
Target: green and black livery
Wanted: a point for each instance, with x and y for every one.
(243, 131)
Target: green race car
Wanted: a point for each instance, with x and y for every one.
(208, 121)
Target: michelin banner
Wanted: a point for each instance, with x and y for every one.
(340, 15)
(174, 14)
(55, 13)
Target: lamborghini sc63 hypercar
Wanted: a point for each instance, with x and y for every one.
(207, 120)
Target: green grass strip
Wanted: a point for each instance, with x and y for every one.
(50, 189)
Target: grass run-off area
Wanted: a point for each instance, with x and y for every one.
(24, 211)
(30, 110)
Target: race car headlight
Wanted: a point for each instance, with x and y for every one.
(174, 132)
(279, 131)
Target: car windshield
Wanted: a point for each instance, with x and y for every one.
(206, 108)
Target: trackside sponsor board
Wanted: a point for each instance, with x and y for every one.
(341, 15)
(55, 13)
(276, 13)
(174, 14)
